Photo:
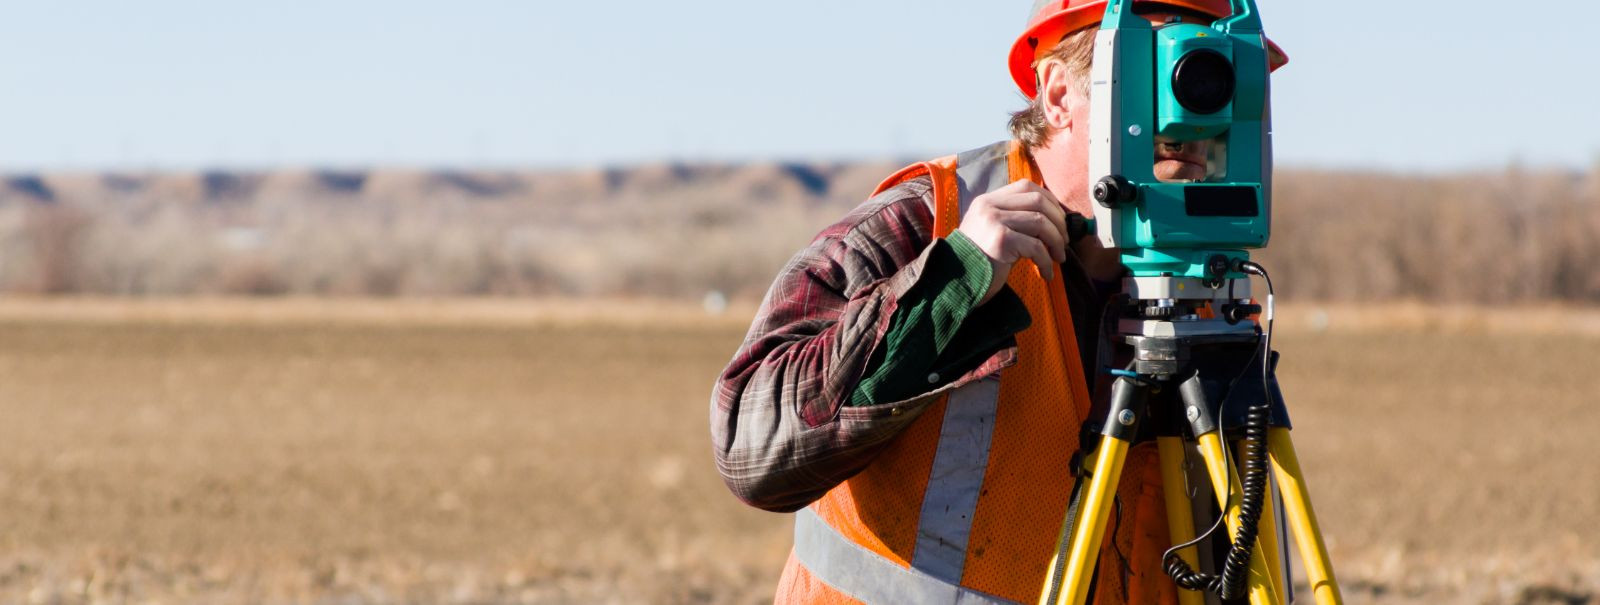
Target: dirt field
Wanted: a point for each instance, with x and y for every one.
(507, 452)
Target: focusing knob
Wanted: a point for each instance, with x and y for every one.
(1236, 313)
(1113, 191)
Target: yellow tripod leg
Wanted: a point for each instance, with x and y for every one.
(1261, 589)
(1180, 520)
(1267, 540)
(1090, 527)
(1302, 519)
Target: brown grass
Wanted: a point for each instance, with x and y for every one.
(302, 451)
(679, 231)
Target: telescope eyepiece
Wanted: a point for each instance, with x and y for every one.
(1114, 190)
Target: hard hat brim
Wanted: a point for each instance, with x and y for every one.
(1052, 29)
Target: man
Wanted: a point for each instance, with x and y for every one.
(916, 380)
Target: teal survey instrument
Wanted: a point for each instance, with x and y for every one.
(1184, 82)
(1191, 371)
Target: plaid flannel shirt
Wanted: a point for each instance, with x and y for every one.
(781, 423)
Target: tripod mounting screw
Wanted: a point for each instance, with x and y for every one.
(1193, 413)
(1113, 191)
(1126, 417)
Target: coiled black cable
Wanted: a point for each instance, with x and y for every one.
(1235, 570)
(1230, 584)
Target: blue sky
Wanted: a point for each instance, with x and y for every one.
(167, 84)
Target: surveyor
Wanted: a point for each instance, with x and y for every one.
(916, 380)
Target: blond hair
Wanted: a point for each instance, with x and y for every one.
(1076, 53)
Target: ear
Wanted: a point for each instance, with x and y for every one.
(1055, 95)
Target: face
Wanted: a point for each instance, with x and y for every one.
(1065, 159)
(1067, 109)
(1181, 161)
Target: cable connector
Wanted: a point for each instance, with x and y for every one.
(1254, 268)
(1249, 267)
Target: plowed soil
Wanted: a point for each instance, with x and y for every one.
(489, 453)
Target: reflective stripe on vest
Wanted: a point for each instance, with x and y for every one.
(955, 480)
(945, 519)
(982, 170)
(865, 576)
(957, 477)
(965, 504)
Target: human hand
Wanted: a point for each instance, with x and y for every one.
(1020, 220)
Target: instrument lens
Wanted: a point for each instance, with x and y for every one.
(1203, 81)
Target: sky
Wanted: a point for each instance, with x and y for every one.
(182, 85)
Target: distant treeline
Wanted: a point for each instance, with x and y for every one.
(687, 230)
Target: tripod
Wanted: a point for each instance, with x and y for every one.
(1217, 366)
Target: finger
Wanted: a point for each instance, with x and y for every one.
(1011, 193)
(1018, 186)
(1025, 246)
(1038, 225)
(1058, 211)
(1037, 199)
(1052, 206)
(1012, 189)
(1016, 193)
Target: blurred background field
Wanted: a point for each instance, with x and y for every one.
(478, 452)
(681, 230)
(417, 302)
(415, 386)
(453, 386)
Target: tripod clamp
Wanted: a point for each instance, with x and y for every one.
(1221, 386)
(1163, 356)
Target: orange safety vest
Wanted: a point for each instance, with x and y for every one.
(966, 504)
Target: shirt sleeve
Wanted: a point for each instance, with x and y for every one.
(939, 311)
(782, 432)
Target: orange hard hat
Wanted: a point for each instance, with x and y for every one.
(1052, 20)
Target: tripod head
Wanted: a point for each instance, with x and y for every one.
(1182, 241)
